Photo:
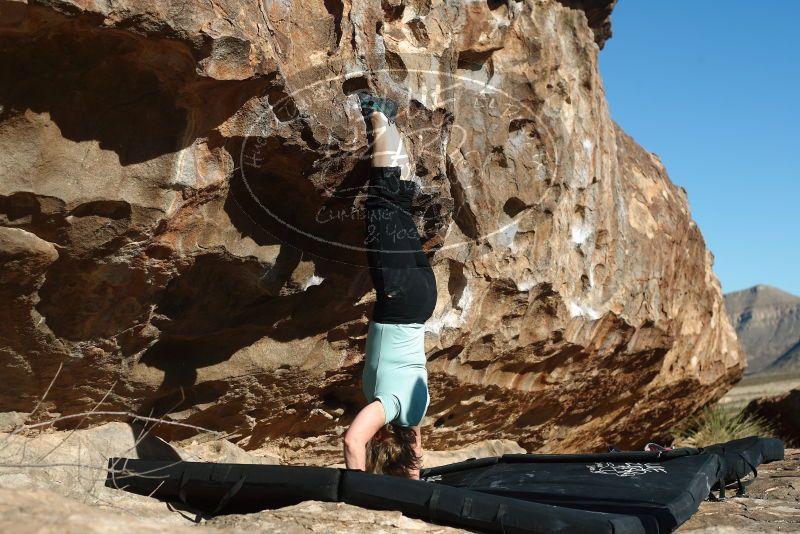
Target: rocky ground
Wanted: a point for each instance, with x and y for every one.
(42, 511)
(53, 482)
(771, 504)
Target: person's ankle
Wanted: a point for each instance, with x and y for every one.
(378, 118)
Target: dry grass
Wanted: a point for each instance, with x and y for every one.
(717, 424)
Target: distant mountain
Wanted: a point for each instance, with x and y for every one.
(767, 322)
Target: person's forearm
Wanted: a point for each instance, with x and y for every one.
(355, 456)
(414, 474)
(419, 457)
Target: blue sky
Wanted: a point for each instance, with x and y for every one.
(713, 88)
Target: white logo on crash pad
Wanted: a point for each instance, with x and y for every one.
(628, 469)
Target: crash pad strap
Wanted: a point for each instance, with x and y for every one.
(501, 514)
(229, 494)
(232, 491)
(433, 503)
(749, 464)
(182, 486)
(740, 490)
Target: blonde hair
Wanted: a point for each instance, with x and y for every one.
(394, 453)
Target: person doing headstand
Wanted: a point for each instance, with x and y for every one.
(385, 435)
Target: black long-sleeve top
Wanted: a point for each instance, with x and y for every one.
(402, 275)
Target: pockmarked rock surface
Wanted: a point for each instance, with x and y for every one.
(180, 194)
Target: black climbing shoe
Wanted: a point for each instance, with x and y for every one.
(370, 103)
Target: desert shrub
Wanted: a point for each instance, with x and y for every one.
(716, 424)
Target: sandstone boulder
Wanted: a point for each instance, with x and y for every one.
(199, 169)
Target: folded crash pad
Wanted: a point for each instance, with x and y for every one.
(662, 488)
(741, 457)
(617, 492)
(240, 488)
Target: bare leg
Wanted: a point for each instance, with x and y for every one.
(388, 150)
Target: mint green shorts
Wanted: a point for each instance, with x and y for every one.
(395, 372)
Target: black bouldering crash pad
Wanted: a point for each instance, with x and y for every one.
(617, 492)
